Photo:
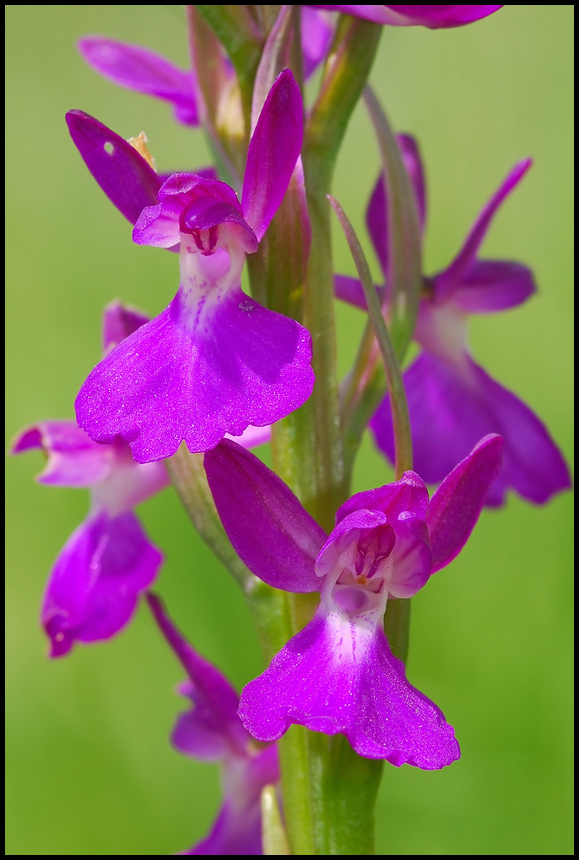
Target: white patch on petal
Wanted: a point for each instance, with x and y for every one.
(349, 639)
(206, 279)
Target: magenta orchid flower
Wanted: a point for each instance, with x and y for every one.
(211, 731)
(214, 361)
(108, 561)
(453, 401)
(433, 17)
(338, 674)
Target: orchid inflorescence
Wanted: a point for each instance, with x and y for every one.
(183, 397)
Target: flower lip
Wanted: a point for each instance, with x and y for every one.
(202, 218)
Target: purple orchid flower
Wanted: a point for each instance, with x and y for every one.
(214, 361)
(434, 17)
(108, 561)
(338, 674)
(452, 401)
(211, 731)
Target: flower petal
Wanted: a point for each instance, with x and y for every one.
(267, 525)
(350, 290)
(234, 832)
(119, 321)
(378, 14)
(252, 436)
(273, 151)
(74, 460)
(237, 829)
(456, 505)
(316, 37)
(377, 211)
(139, 69)
(340, 676)
(428, 16)
(211, 730)
(96, 580)
(451, 278)
(452, 407)
(442, 16)
(164, 385)
(494, 285)
(411, 558)
(407, 494)
(122, 173)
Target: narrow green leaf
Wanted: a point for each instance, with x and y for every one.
(398, 404)
(365, 386)
(404, 243)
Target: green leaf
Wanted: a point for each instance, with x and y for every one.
(365, 387)
(398, 404)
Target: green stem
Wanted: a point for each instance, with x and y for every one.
(397, 627)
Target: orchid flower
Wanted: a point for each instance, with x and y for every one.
(433, 17)
(338, 674)
(453, 401)
(141, 70)
(108, 561)
(211, 731)
(214, 361)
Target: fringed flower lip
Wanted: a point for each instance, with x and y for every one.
(214, 361)
(212, 731)
(338, 674)
(452, 401)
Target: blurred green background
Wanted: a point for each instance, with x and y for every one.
(90, 770)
